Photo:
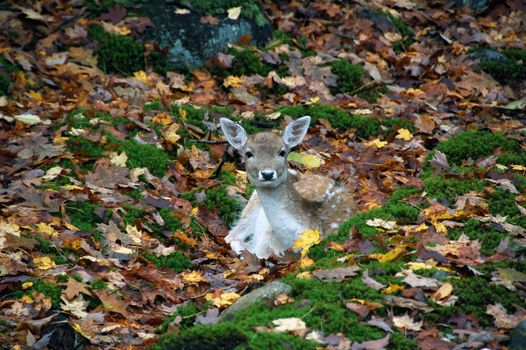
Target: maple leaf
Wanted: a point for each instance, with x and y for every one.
(234, 12)
(309, 160)
(44, 263)
(223, 300)
(406, 322)
(503, 319)
(376, 143)
(193, 277)
(291, 324)
(404, 134)
(76, 307)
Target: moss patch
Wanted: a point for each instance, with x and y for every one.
(349, 75)
(340, 119)
(250, 8)
(475, 144)
(511, 70)
(145, 155)
(176, 261)
(122, 54)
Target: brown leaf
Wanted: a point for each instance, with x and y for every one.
(379, 344)
(74, 288)
(338, 274)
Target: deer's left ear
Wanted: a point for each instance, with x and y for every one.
(296, 131)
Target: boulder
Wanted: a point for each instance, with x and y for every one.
(190, 42)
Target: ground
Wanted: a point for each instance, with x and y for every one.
(117, 188)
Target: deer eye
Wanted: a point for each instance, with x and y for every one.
(249, 154)
(282, 153)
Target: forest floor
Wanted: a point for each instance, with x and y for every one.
(117, 190)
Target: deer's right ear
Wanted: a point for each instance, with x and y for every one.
(235, 134)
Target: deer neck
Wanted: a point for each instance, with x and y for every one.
(285, 209)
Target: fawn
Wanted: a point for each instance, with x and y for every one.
(284, 203)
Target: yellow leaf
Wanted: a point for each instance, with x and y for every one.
(518, 167)
(163, 119)
(224, 300)
(313, 100)
(306, 275)
(305, 262)
(72, 187)
(44, 263)
(440, 227)
(119, 159)
(232, 81)
(193, 277)
(142, 76)
(234, 12)
(309, 160)
(170, 134)
(46, 228)
(27, 299)
(306, 240)
(27, 285)
(376, 143)
(404, 134)
(390, 255)
(444, 291)
(393, 288)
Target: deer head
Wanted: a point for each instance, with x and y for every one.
(265, 153)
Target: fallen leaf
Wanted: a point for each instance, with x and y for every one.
(337, 274)
(407, 323)
(234, 12)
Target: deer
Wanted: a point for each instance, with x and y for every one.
(284, 203)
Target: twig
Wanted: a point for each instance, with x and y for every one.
(212, 142)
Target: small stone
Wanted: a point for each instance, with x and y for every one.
(518, 337)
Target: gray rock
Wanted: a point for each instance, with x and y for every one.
(478, 6)
(488, 54)
(518, 337)
(266, 292)
(189, 42)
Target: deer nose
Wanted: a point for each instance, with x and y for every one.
(267, 175)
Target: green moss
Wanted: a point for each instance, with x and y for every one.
(349, 75)
(116, 53)
(83, 147)
(503, 203)
(340, 119)
(49, 289)
(98, 284)
(145, 155)
(153, 106)
(476, 293)
(488, 237)
(475, 144)
(5, 85)
(176, 261)
(269, 340)
(187, 314)
(513, 69)
(136, 193)
(227, 207)
(132, 214)
(47, 247)
(393, 209)
(448, 189)
(247, 62)
(82, 215)
(400, 341)
(221, 336)
(250, 8)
